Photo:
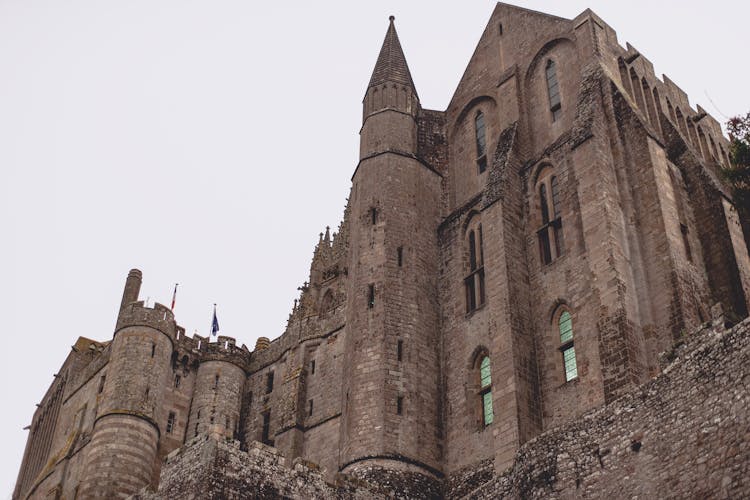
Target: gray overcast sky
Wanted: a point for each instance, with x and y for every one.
(209, 142)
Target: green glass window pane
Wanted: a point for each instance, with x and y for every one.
(487, 407)
(569, 359)
(566, 327)
(484, 372)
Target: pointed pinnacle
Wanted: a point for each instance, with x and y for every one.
(391, 65)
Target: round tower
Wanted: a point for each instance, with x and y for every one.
(122, 452)
(219, 385)
(391, 383)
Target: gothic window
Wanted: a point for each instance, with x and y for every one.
(170, 422)
(565, 327)
(550, 233)
(485, 391)
(474, 282)
(481, 136)
(553, 90)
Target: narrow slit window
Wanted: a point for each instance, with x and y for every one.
(474, 282)
(312, 367)
(310, 408)
(565, 326)
(557, 220)
(400, 350)
(400, 405)
(269, 382)
(170, 422)
(153, 350)
(374, 215)
(371, 296)
(553, 90)
(216, 381)
(400, 256)
(485, 392)
(177, 381)
(550, 234)
(481, 139)
(101, 383)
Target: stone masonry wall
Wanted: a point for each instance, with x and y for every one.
(684, 434)
(208, 469)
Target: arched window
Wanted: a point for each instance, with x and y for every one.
(485, 391)
(326, 305)
(481, 136)
(565, 326)
(474, 281)
(553, 90)
(550, 234)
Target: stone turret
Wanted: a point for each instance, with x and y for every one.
(124, 441)
(392, 376)
(219, 386)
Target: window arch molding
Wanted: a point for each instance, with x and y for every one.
(484, 103)
(480, 137)
(547, 51)
(480, 380)
(564, 334)
(555, 309)
(326, 307)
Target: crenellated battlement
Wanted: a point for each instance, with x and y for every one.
(225, 349)
(158, 317)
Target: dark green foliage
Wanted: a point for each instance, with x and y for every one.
(738, 174)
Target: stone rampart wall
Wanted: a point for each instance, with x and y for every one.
(684, 434)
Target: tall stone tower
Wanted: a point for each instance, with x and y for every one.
(125, 437)
(392, 383)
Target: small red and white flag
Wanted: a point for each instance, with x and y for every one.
(174, 295)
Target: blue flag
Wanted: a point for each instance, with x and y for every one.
(214, 324)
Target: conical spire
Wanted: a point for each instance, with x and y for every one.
(391, 66)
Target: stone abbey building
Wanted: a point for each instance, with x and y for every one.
(503, 267)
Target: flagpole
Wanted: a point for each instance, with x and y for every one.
(174, 296)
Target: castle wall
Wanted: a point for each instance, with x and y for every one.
(682, 435)
(177, 397)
